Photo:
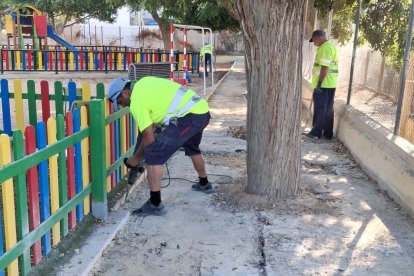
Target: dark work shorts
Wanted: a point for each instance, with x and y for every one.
(184, 132)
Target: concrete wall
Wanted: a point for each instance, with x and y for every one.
(388, 159)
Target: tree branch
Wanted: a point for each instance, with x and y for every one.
(230, 7)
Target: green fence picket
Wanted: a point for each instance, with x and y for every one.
(31, 99)
(63, 177)
(98, 168)
(100, 91)
(21, 200)
(59, 98)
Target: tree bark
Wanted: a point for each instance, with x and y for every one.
(164, 29)
(273, 33)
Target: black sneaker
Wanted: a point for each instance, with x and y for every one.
(149, 209)
(132, 176)
(208, 188)
(311, 136)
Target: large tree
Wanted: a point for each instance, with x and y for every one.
(190, 12)
(273, 36)
(163, 11)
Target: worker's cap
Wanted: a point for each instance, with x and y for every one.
(317, 33)
(115, 89)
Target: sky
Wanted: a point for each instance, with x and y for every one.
(121, 20)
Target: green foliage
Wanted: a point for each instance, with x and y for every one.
(210, 14)
(191, 12)
(165, 10)
(64, 11)
(383, 24)
(385, 27)
(104, 10)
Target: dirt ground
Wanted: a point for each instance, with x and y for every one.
(340, 223)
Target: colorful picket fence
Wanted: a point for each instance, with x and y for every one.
(54, 172)
(25, 103)
(88, 59)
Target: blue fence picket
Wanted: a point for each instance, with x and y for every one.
(96, 58)
(76, 54)
(45, 60)
(41, 142)
(125, 60)
(78, 164)
(5, 103)
(24, 59)
(72, 93)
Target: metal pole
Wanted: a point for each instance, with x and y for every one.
(89, 32)
(212, 61)
(1, 61)
(120, 36)
(404, 69)
(348, 100)
(102, 35)
(328, 33)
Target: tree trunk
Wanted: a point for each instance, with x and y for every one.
(273, 33)
(164, 28)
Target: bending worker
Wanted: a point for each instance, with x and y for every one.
(324, 78)
(206, 53)
(183, 113)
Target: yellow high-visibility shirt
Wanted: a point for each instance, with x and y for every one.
(326, 55)
(151, 98)
(208, 49)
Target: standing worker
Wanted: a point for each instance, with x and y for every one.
(205, 53)
(324, 79)
(184, 114)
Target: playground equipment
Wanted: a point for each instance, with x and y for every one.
(30, 23)
(183, 80)
(58, 39)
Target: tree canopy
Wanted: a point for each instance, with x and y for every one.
(190, 12)
(64, 12)
(383, 24)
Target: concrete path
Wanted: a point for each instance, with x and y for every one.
(339, 224)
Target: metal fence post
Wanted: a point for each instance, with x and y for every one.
(56, 61)
(98, 167)
(106, 59)
(348, 100)
(1, 61)
(404, 69)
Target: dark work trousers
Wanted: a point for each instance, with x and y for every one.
(138, 143)
(207, 60)
(323, 113)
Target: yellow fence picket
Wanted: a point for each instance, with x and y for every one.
(85, 160)
(53, 179)
(9, 215)
(18, 103)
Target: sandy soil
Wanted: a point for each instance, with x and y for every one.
(340, 223)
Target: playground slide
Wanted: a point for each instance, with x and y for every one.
(58, 39)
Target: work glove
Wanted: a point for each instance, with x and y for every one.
(140, 166)
(318, 89)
